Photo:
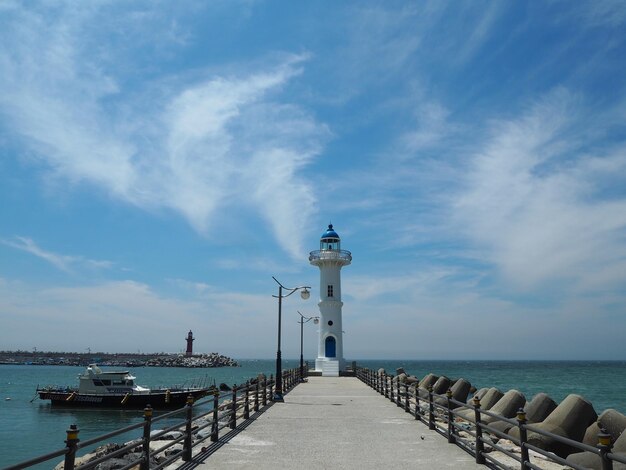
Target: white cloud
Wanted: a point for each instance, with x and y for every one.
(598, 13)
(63, 262)
(533, 204)
(197, 145)
(432, 125)
(476, 32)
(124, 315)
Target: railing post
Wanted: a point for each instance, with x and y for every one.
(187, 441)
(523, 438)
(215, 425)
(246, 403)
(431, 409)
(418, 411)
(271, 385)
(398, 400)
(256, 395)
(604, 444)
(406, 397)
(233, 417)
(480, 446)
(392, 398)
(264, 391)
(383, 384)
(147, 423)
(72, 446)
(451, 438)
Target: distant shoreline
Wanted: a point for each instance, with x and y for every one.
(51, 358)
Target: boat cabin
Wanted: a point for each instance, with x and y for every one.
(96, 381)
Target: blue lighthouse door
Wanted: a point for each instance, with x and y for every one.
(330, 347)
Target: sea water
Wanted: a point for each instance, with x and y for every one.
(31, 427)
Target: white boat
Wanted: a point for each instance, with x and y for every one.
(117, 389)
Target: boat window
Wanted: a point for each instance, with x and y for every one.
(97, 383)
(106, 382)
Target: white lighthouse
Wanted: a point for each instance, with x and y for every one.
(330, 258)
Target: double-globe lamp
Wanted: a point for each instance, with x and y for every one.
(305, 294)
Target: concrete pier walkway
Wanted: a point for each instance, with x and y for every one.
(333, 423)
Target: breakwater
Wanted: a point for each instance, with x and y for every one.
(504, 429)
(115, 359)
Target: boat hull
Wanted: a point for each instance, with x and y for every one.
(158, 400)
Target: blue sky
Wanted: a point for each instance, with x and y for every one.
(161, 161)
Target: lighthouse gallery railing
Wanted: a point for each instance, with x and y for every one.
(330, 255)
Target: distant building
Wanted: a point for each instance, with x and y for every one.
(190, 339)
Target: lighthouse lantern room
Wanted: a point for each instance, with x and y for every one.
(330, 258)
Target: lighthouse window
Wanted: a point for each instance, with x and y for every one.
(330, 323)
(330, 290)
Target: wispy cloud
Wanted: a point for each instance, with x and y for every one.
(535, 207)
(431, 126)
(476, 32)
(598, 13)
(198, 144)
(63, 262)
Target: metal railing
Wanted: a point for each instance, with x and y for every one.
(225, 410)
(343, 255)
(426, 407)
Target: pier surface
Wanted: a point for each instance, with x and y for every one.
(333, 423)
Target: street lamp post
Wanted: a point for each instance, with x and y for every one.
(278, 394)
(302, 321)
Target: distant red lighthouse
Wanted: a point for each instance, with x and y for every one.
(190, 339)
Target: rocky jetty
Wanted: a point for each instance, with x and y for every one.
(115, 359)
(202, 360)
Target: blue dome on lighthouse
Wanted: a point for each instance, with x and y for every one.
(330, 240)
(330, 233)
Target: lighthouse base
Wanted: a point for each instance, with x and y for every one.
(329, 366)
(330, 369)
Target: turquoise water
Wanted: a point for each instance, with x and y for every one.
(32, 428)
(603, 383)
